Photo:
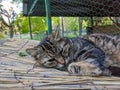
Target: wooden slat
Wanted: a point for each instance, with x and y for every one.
(14, 75)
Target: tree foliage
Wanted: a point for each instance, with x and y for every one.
(71, 23)
(8, 15)
(38, 24)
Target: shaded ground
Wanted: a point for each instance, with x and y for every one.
(14, 76)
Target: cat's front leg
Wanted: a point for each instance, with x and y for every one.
(84, 69)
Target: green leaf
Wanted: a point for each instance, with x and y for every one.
(22, 54)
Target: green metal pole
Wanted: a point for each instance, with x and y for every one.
(90, 22)
(31, 37)
(29, 21)
(32, 7)
(48, 16)
(80, 19)
(62, 25)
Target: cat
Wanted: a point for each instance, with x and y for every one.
(77, 56)
(110, 44)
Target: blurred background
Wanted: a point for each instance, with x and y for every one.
(13, 24)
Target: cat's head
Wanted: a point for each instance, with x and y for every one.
(50, 50)
(56, 46)
(41, 56)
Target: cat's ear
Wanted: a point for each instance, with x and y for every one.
(55, 35)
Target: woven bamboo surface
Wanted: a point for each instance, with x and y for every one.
(14, 73)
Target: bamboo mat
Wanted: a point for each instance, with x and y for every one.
(14, 73)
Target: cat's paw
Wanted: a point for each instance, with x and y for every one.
(74, 69)
(83, 69)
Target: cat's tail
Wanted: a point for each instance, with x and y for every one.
(115, 70)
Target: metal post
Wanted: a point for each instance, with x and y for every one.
(90, 26)
(32, 7)
(48, 16)
(80, 25)
(91, 21)
(30, 27)
(62, 25)
(29, 21)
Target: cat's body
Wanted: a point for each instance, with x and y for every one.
(78, 56)
(110, 44)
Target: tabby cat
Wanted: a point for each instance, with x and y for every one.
(110, 44)
(91, 55)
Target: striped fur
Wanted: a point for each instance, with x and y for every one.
(78, 56)
(41, 57)
(110, 44)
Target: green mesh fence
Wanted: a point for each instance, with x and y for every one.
(74, 7)
(71, 10)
